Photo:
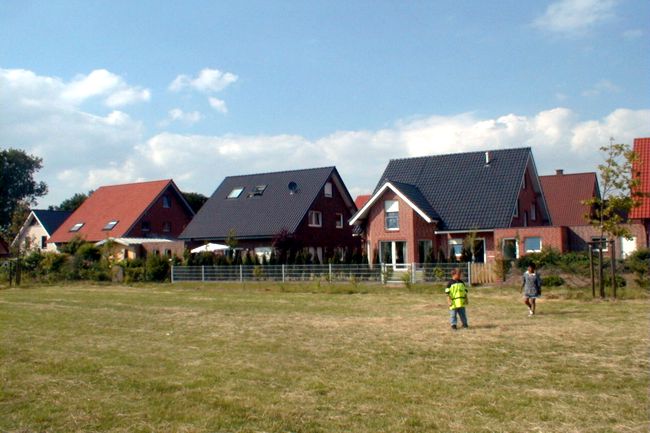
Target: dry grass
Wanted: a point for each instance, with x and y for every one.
(268, 359)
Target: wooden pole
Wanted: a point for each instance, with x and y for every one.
(601, 283)
(612, 245)
(591, 271)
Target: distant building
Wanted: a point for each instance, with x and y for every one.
(39, 226)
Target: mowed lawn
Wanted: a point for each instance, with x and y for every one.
(211, 358)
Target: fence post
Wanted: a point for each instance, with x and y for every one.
(469, 273)
(283, 273)
(241, 273)
(202, 273)
(413, 273)
(330, 271)
(172, 274)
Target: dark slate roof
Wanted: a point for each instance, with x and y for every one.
(466, 193)
(259, 216)
(51, 219)
(417, 198)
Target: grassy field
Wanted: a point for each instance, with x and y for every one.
(218, 359)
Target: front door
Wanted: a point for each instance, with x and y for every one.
(393, 253)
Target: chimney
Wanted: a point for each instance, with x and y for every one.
(559, 172)
(488, 157)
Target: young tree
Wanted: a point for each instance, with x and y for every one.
(619, 195)
(195, 200)
(71, 204)
(17, 170)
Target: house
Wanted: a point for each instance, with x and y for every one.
(37, 230)
(565, 196)
(308, 208)
(144, 212)
(641, 171)
(461, 206)
(4, 248)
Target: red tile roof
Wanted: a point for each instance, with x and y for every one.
(124, 203)
(361, 200)
(564, 194)
(642, 169)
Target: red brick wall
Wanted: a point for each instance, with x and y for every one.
(178, 215)
(528, 197)
(580, 235)
(553, 237)
(412, 227)
(328, 236)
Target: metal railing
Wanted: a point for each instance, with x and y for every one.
(409, 272)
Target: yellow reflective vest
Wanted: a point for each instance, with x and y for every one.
(457, 292)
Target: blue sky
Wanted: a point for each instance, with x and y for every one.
(118, 91)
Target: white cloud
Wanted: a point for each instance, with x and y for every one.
(603, 86)
(218, 104)
(208, 81)
(178, 115)
(633, 34)
(83, 150)
(574, 17)
(101, 82)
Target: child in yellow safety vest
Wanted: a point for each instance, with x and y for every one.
(457, 298)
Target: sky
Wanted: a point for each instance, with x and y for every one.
(119, 91)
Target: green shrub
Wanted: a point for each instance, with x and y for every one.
(133, 274)
(157, 268)
(406, 279)
(639, 263)
(552, 281)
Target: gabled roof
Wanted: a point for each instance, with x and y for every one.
(50, 220)
(266, 214)
(642, 169)
(124, 203)
(564, 194)
(361, 200)
(408, 193)
(465, 192)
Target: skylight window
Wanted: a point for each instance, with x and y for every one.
(236, 192)
(110, 225)
(257, 191)
(76, 227)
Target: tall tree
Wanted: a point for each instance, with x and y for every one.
(17, 184)
(619, 195)
(195, 200)
(71, 204)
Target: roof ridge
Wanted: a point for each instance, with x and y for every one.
(461, 153)
(332, 167)
(569, 174)
(136, 183)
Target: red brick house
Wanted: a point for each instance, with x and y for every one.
(148, 211)
(309, 206)
(641, 170)
(431, 205)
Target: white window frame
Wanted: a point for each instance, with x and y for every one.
(391, 211)
(453, 243)
(75, 228)
(110, 225)
(236, 192)
(315, 218)
(166, 201)
(602, 241)
(339, 220)
(328, 190)
(533, 212)
(530, 250)
(503, 245)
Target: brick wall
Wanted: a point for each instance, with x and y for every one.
(553, 237)
(177, 215)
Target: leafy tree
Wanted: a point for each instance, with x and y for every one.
(195, 200)
(619, 192)
(71, 204)
(619, 195)
(17, 170)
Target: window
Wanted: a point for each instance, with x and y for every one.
(510, 249)
(524, 185)
(167, 226)
(456, 248)
(515, 214)
(43, 242)
(145, 226)
(603, 243)
(533, 212)
(328, 189)
(167, 202)
(339, 220)
(236, 192)
(425, 248)
(533, 245)
(168, 253)
(315, 218)
(257, 191)
(109, 225)
(391, 210)
(76, 227)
